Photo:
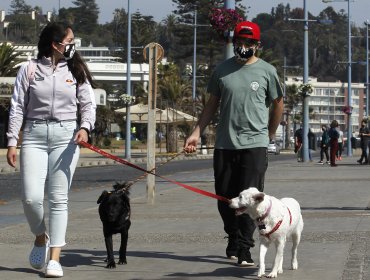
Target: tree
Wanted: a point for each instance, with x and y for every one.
(19, 7)
(86, 16)
(8, 61)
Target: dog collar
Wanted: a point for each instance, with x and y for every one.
(260, 219)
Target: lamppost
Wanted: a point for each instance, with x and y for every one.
(305, 154)
(128, 87)
(349, 69)
(229, 4)
(367, 68)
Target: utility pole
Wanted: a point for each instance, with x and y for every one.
(128, 87)
(229, 52)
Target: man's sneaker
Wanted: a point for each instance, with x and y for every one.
(232, 247)
(320, 162)
(53, 270)
(328, 162)
(244, 258)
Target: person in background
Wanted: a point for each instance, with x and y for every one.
(298, 140)
(47, 106)
(364, 134)
(311, 143)
(340, 144)
(324, 145)
(247, 90)
(334, 135)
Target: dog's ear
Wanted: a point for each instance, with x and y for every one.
(259, 197)
(102, 196)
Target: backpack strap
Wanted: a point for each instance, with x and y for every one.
(31, 69)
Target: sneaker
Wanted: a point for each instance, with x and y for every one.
(232, 247)
(39, 255)
(53, 270)
(320, 162)
(244, 258)
(328, 162)
(359, 161)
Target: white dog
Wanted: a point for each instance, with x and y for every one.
(276, 220)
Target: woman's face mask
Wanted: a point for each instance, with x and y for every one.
(69, 50)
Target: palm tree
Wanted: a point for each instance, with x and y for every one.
(8, 61)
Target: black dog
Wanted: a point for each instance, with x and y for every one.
(114, 212)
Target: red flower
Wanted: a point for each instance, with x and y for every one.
(224, 20)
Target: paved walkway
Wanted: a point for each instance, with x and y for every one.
(180, 235)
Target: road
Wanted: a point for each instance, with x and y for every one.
(106, 175)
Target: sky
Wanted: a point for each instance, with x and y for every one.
(159, 9)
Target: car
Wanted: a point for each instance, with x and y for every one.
(273, 148)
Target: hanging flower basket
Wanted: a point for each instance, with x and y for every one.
(127, 99)
(305, 89)
(223, 21)
(347, 110)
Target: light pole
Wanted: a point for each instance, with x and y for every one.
(349, 69)
(367, 68)
(305, 154)
(229, 4)
(128, 87)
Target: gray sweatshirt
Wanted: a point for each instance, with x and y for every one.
(49, 95)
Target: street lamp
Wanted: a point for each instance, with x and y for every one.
(349, 69)
(229, 4)
(367, 68)
(305, 81)
(128, 87)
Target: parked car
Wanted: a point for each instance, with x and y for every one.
(273, 148)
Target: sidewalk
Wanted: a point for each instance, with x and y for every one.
(180, 236)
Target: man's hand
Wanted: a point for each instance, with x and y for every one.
(191, 143)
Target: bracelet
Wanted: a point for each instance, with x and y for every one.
(87, 131)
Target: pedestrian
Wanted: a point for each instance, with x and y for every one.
(324, 145)
(311, 143)
(340, 144)
(334, 135)
(298, 140)
(46, 93)
(245, 87)
(364, 134)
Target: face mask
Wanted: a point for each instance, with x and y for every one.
(69, 51)
(242, 53)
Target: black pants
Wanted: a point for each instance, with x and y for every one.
(324, 150)
(235, 171)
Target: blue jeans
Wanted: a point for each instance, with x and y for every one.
(48, 155)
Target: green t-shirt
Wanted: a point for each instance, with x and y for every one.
(246, 93)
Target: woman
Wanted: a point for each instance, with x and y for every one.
(45, 98)
(334, 135)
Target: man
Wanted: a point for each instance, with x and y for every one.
(364, 135)
(298, 140)
(245, 87)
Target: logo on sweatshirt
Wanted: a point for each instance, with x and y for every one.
(69, 81)
(254, 86)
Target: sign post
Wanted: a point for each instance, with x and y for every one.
(154, 53)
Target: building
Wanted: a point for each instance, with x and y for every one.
(329, 100)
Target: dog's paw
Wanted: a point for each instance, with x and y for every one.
(272, 275)
(294, 265)
(122, 261)
(261, 273)
(111, 264)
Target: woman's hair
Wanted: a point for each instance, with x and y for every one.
(56, 32)
(334, 123)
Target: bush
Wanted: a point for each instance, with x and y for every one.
(107, 142)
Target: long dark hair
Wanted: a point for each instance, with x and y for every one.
(55, 32)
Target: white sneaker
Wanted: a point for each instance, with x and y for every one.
(53, 270)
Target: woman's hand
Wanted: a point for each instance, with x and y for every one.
(81, 135)
(11, 156)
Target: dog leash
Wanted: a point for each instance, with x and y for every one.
(125, 162)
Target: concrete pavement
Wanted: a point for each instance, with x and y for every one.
(180, 235)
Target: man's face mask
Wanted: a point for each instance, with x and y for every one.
(69, 50)
(244, 49)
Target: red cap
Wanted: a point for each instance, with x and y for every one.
(247, 29)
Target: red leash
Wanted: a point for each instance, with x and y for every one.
(125, 162)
